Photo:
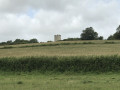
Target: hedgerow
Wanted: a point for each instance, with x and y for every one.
(61, 64)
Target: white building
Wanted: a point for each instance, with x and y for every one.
(57, 37)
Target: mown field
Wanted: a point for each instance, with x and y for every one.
(76, 65)
(60, 82)
(75, 48)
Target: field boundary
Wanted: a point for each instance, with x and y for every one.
(61, 64)
(56, 44)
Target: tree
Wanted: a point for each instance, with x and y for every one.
(89, 34)
(3, 43)
(33, 41)
(20, 41)
(118, 29)
(116, 35)
(100, 38)
(110, 37)
(9, 42)
(17, 41)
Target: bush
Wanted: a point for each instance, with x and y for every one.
(109, 42)
(7, 47)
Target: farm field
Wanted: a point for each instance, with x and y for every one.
(104, 76)
(60, 82)
(78, 48)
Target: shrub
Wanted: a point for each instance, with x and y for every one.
(109, 42)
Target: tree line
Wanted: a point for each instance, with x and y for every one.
(87, 34)
(90, 34)
(19, 41)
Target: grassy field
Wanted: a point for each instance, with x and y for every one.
(60, 82)
(78, 48)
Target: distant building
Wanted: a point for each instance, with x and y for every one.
(57, 37)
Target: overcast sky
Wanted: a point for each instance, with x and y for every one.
(42, 19)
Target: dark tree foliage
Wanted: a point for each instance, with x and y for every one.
(116, 35)
(100, 38)
(3, 43)
(118, 29)
(19, 41)
(89, 34)
(110, 37)
(33, 41)
(72, 39)
(9, 42)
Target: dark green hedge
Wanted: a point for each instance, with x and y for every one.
(62, 64)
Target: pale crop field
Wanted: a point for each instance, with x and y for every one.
(97, 48)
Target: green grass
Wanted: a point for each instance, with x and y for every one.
(38, 81)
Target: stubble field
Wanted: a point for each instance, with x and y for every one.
(78, 48)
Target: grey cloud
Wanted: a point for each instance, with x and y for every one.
(66, 17)
(15, 6)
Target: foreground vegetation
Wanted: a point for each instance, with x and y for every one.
(78, 65)
(36, 81)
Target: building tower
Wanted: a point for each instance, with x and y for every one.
(57, 37)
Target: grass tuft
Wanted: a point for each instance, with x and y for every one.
(19, 82)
